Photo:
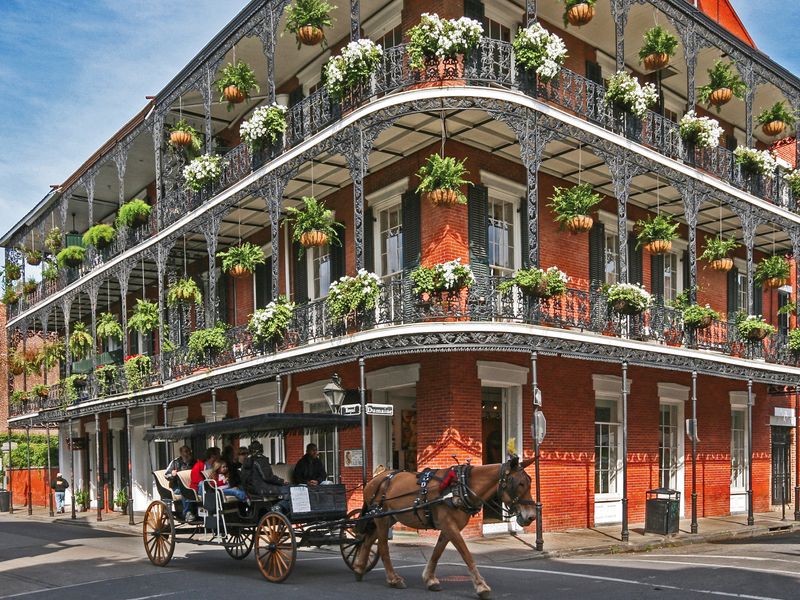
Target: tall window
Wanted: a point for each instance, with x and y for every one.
(501, 236)
(391, 38)
(323, 441)
(390, 241)
(320, 271)
(611, 253)
(671, 274)
(668, 447)
(606, 447)
(741, 297)
(496, 31)
(738, 449)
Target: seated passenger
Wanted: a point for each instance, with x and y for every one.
(257, 474)
(309, 469)
(227, 480)
(212, 456)
(182, 462)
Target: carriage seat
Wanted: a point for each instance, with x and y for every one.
(284, 471)
(185, 483)
(164, 488)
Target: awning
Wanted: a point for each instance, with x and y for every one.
(256, 426)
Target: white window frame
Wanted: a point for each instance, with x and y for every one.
(741, 299)
(384, 199)
(738, 494)
(503, 11)
(310, 254)
(515, 193)
(611, 225)
(608, 506)
(678, 248)
(383, 21)
(309, 395)
(673, 394)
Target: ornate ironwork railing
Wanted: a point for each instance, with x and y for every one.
(579, 310)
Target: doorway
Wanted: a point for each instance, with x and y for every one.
(781, 444)
(394, 439)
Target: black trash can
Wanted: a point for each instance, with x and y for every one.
(5, 500)
(662, 511)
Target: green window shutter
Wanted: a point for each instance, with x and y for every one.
(524, 238)
(597, 244)
(133, 346)
(263, 283)
(687, 271)
(223, 284)
(758, 299)
(733, 291)
(783, 319)
(296, 95)
(657, 274)
(474, 9)
(300, 276)
(635, 264)
(370, 260)
(412, 234)
(594, 72)
(337, 258)
(478, 218)
(74, 239)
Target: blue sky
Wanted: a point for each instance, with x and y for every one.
(72, 72)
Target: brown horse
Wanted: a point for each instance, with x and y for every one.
(422, 504)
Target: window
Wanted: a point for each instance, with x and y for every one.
(784, 298)
(606, 447)
(323, 441)
(390, 241)
(668, 447)
(741, 296)
(391, 38)
(671, 274)
(319, 271)
(611, 253)
(738, 449)
(501, 236)
(496, 31)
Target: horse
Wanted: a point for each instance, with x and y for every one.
(416, 501)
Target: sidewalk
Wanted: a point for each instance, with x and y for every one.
(510, 548)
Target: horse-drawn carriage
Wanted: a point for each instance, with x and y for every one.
(275, 526)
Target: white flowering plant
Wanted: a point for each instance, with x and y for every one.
(353, 67)
(624, 91)
(698, 316)
(793, 181)
(265, 126)
(269, 324)
(627, 298)
(434, 37)
(753, 326)
(536, 49)
(544, 283)
(203, 170)
(351, 294)
(450, 276)
(703, 132)
(756, 162)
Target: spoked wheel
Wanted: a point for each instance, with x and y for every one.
(158, 532)
(276, 548)
(352, 546)
(239, 543)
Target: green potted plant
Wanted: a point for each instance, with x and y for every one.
(627, 298)
(353, 67)
(13, 272)
(793, 340)
(71, 256)
(121, 499)
(145, 317)
(441, 179)
(134, 213)
(752, 327)
(573, 205)
(32, 256)
(240, 261)
(773, 120)
(539, 283)
(659, 46)
(71, 385)
(108, 327)
(202, 172)
(10, 297)
(656, 233)
(19, 398)
(307, 20)
(435, 38)
(137, 369)
(184, 290)
(51, 353)
(723, 84)
(350, 295)
(49, 272)
(30, 286)
(792, 180)
(105, 375)
(773, 272)
(699, 317)
(53, 241)
(578, 12)
(205, 344)
(625, 93)
(717, 253)
(264, 127)
(313, 224)
(99, 236)
(536, 50)
(82, 500)
(450, 276)
(269, 324)
(41, 390)
(755, 162)
(236, 82)
(18, 362)
(80, 341)
(182, 134)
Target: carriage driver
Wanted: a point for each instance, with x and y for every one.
(309, 469)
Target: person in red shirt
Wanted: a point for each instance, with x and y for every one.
(212, 456)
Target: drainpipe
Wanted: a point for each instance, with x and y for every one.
(625, 532)
(129, 466)
(694, 452)
(750, 402)
(97, 466)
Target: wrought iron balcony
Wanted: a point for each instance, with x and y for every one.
(579, 310)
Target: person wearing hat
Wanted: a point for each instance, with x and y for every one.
(59, 486)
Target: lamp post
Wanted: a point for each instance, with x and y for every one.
(334, 395)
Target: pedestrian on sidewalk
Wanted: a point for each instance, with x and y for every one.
(59, 486)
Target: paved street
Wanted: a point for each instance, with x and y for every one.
(54, 560)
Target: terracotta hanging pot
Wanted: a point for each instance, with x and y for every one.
(313, 238)
(773, 128)
(443, 197)
(623, 307)
(580, 14)
(775, 282)
(308, 35)
(756, 335)
(537, 291)
(656, 61)
(658, 246)
(239, 272)
(720, 96)
(180, 138)
(233, 94)
(43, 393)
(705, 322)
(722, 264)
(580, 224)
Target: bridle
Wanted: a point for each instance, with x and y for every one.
(506, 485)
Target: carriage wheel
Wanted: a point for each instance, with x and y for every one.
(350, 550)
(239, 543)
(276, 548)
(158, 532)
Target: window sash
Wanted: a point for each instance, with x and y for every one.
(738, 450)
(668, 447)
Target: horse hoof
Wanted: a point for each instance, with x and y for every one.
(398, 585)
(434, 587)
(485, 595)
(359, 576)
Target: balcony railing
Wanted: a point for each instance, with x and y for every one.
(490, 65)
(579, 310)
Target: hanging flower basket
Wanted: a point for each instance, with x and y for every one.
(627, 298)
(773, 128)
(720, 96)
(580, 224)
(705, 322)
(722, 264)
(658, 246)
(775, 282)
(758, 334)
(580, 14)
(313, 238)
(180, 138)
(443, 197)
(233, 95)
(623, 307)
(239, 272)
(656, 61)
(308, 35)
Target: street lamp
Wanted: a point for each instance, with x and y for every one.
(334, 393)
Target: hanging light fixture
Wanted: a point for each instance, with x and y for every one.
(334, 393)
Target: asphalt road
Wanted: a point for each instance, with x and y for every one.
(53, 560)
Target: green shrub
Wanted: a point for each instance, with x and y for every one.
(99, 236)
(132, 213)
